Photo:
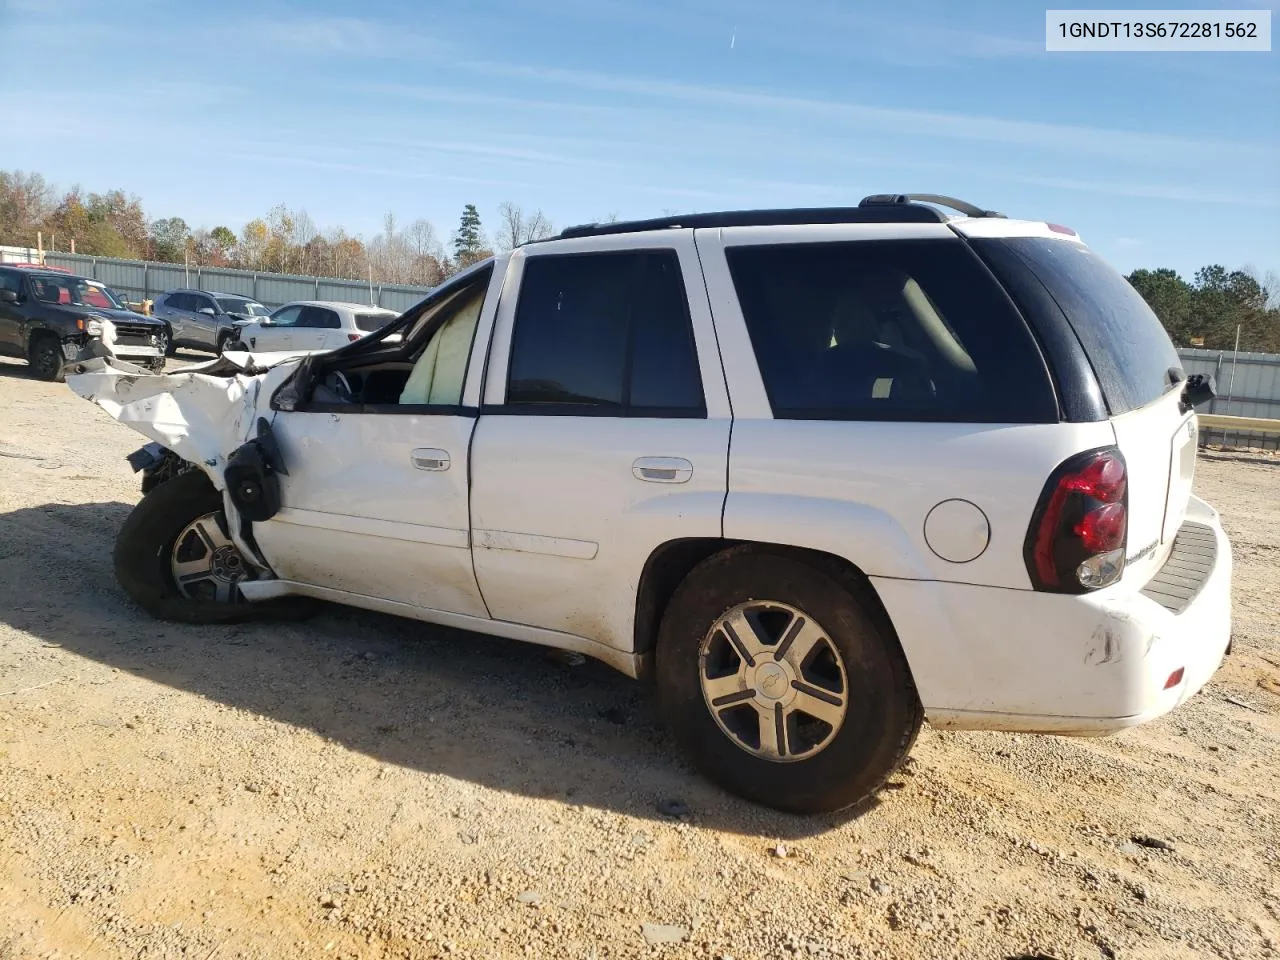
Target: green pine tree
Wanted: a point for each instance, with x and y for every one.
(468, 241)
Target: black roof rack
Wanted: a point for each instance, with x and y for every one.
(879, 208)
(937, 199)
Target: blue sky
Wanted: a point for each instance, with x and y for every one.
(583, 108)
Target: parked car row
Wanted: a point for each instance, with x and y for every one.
(51, 317)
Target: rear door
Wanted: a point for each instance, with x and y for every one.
(318, 328)
(604, 434)
(1139, 374)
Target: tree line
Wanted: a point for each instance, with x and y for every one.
(1204, 311)
(285, 240)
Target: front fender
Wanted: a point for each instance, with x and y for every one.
(200, 417)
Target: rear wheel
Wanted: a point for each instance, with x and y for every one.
(174, 556)
(45, 357)
(785, 682)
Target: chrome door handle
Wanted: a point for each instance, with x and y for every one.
(429, 458)
(662, 469)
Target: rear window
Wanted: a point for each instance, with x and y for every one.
(1127, 346)
(888, 330)
(369, 322)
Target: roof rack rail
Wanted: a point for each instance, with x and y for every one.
(863, 213)
(937, 199)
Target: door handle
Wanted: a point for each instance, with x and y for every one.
(662, 469)
(429, 458)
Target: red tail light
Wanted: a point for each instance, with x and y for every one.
(1079, 531)
(352, 337)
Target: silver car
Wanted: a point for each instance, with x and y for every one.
(203, 319)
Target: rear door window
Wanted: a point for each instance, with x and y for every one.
(605, 333)
(888, 330)
(318, 317)
(1132, 356)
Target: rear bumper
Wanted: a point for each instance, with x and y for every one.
(993, 659)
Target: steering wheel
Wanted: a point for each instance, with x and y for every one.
(341, 385)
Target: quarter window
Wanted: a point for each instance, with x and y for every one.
(604, 333)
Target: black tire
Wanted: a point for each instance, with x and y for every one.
(225, 341)
(157, 365)
(882, 713)
(166, 341)
(145, 544)
(45, 357)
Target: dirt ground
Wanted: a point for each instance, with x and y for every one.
(360, 786)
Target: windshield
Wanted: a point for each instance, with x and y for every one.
(249, 308)
(75, 291)
(369, 322)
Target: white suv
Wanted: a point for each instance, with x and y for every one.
(307, 325)
(821, 473)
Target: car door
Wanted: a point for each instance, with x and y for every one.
(375, 502)
(11, 314)
(318, 328)
(605, 430)
(204, 321)
(273, 333)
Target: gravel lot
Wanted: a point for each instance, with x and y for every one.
(360, 786)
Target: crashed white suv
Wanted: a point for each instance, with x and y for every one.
(821, 473)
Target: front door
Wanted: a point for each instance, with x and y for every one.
(11, 315)
(375, 502)
(273, 333)
(605, 431)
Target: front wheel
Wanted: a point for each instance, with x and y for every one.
(785, 682)
(175, 557)
(228, 341)
(45, 358)
(164, 340)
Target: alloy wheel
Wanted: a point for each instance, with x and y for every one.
(774, 681)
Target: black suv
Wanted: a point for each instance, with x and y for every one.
(50, 318)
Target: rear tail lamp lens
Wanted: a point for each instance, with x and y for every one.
(1077, 537)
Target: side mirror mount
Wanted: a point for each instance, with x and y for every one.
(1199, 388)
(8, 296)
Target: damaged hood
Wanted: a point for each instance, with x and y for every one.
(202, 413)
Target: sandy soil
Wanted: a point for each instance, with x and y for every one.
(359, 786)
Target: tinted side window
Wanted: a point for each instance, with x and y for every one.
(1126, 344)
(888, 330)
(9, 280)
(318, 317)
(606, 332)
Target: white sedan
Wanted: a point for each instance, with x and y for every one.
(307, 325)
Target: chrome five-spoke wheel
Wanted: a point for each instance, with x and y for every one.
(205, 564)
(773, 680)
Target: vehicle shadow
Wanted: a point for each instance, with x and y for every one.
(503, 714)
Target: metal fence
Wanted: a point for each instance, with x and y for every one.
(142, 280)
(1248, 385)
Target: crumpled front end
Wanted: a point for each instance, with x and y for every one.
(202, 413)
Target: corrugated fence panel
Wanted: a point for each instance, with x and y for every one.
(138, 280)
